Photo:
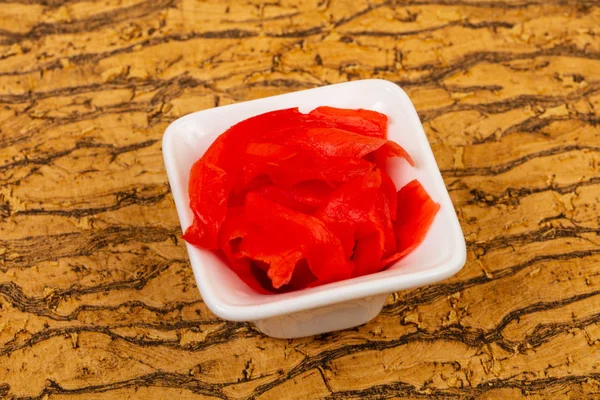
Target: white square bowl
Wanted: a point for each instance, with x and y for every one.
(338, 305)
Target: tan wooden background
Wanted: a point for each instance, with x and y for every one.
(97, 299)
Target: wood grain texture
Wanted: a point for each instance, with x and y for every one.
(97, 299)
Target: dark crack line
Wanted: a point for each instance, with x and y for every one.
(509, 104)
(29, 251)
(47, 3)
(80, 59)
(429, 294)
(132, 304)
(92, 23)
(529, 386)
(44, 306)
(543, 234)
(513, 196)
(517, 4)
(224, 334)
(84, 144)
(157, 379)
(502, 168)
(123, 199)
(183, 81)
(464, 24)
(536, 124)
(437, 74)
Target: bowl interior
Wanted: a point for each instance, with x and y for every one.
(439, 256)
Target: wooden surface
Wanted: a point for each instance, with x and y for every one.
(97, 299)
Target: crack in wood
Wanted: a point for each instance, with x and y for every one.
(513, 196)
(140, 196)
(502, 168)
(90, 24)
(28, 251)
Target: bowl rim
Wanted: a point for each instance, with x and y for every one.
(334, 292)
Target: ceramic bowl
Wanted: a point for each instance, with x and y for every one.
(337, 305)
